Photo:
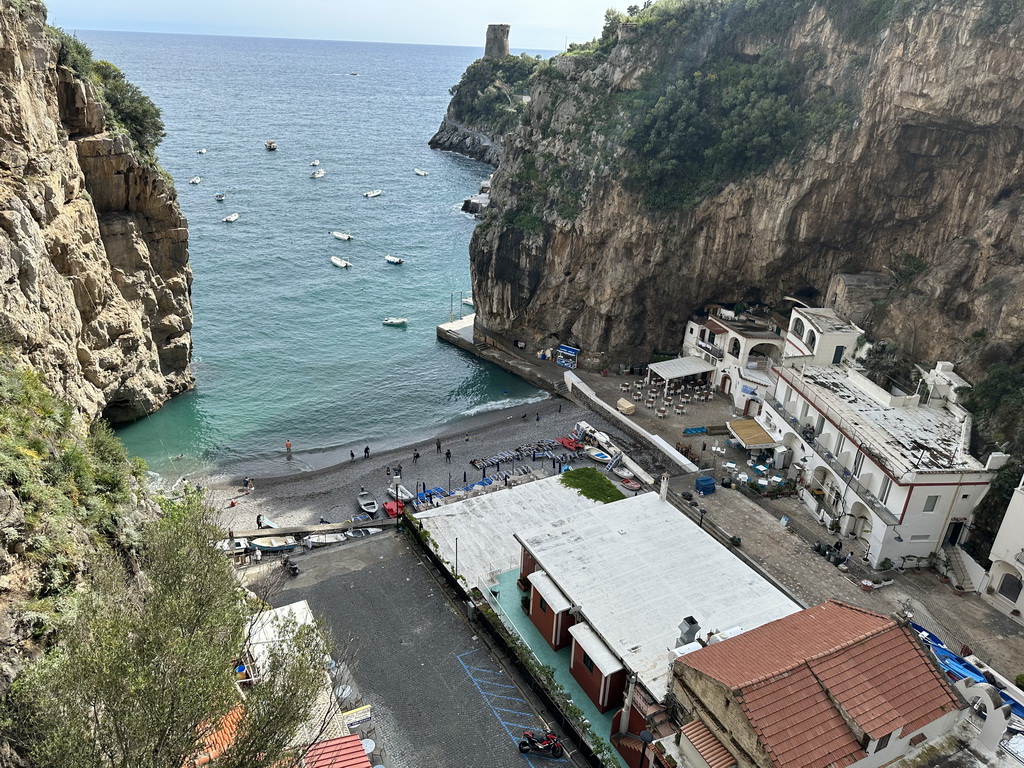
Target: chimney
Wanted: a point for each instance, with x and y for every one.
(663, 493)
(688, 631)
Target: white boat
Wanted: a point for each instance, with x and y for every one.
(274, 543)
(219, 197)
(393, 259)
(396, 321)
(270, 145)
(597, 454)
(195, 180)
(339, 262)
(319, 173)
(358, 533)
(315, 163)
(201, 151)
(230, 217)
(622, 472)
(420, 172)
(232, 546)
(400, 492)
(373, 193)
(322, 539)
(342, 235)
(468, 301)
(367, 503)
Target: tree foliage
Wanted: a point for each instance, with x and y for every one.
(997, 402)
(483, 98)
(142, 672)
(592, 484)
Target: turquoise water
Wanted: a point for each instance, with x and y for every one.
(286, 345)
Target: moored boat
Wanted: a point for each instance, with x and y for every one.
(597, 454)
(373, 193)
(396, 321)
(468, 301)
(195, 180)
(219, 197)
(358, 533)
(322, 539)
(394, 259)
(274, 543)
(342, 235)
(319, 173)
(623, 472)
(631, 484)
(270, 145)
(367, 503)
(420, 172)
(230, 217)
(315, 163)
(340, 262)
(400, 492)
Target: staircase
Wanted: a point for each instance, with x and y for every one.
(957, 569)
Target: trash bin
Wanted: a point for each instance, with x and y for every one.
(817, 547)
(240, 672)
(734, 540)
(829, 554)
(727, 482)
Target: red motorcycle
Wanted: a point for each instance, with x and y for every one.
(548, 744)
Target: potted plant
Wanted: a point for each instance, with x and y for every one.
(885, 565)
(1015, 612)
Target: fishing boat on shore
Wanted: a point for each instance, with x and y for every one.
(597, 454)
(373, 193)
(359, 533)
(232, 546)
(623, 472)
(270, 145)
(367, 503)
(400, 492)
(230, 217)
(319, 173)
(342, 235)
(340, 262)
(219, 197)
(420, 172)
(274, 543)
(393, 259)
(195, 180)
(631, 484)
(315, 540)
(397, 321)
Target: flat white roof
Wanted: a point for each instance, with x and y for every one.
(265, 630)
(825, 320)
(905, 439)
(637, 567)
(552, 595)
(595, 648)
(680, 367)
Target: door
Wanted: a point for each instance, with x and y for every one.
(953, 534)
(837, 356)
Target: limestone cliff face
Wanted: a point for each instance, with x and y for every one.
(93, 247)
(930, 168)
(453, 136)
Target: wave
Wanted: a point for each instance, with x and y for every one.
(508, 402)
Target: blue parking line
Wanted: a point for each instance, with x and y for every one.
(512, 728)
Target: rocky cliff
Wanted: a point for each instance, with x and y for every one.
(453, 136)
(93, 247)
(921, 180)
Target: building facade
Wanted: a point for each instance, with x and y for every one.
(1006, 574)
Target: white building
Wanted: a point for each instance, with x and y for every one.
(1007, 556)
(742, 350)
(891, 469)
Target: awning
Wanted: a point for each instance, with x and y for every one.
(565, 349)
(552, 595)
(750, 434)
(594, 647)
(680, 367)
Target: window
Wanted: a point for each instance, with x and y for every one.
(543, 605)
(812, 340)
(798, 328)
(883, 492)
(882, 743)
(588, 662)
(1010, 586)
(691, 331)
(858, 463)
(930, 503)
(734, 348)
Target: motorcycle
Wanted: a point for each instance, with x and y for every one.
(288, 565)
(543, 744)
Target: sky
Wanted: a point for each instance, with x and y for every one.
(535, 24)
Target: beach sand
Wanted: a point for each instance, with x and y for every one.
(303, 498)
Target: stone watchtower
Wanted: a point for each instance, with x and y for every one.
(496, 46)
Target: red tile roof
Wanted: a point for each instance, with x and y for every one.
(343, 752)
(795, 677)
(216, 743)
(707, 746)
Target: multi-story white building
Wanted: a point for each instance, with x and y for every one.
(742, 349)
(1006, 575)
(891, 469)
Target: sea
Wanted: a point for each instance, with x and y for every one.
(287, 346)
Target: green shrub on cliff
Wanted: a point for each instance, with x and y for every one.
(485, 96)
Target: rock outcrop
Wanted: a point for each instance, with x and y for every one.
(93, 246)
(928, 173)
(453, 136)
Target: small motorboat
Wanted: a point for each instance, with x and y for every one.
(274, 543)
(398, 321)
(315, 163)
(340, 262)
(232, 546)
(219, 197)
(342, 235)
(230, 217)
(400, 492)
(420, 172)
(359, 533)
(270, 145)
(468, 301)
(367, 503)
(623, 472)
(315, 540)
(319, 173)
(393, 259)
(201, 151)
(195, 180)
(631, 484)
(373, 193)
(597, 454)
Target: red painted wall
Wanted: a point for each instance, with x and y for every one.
(527, 565)
(591, 682)
(553, 627)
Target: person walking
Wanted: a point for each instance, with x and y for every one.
(438, 444)
(448, 456)
(366, 452)
(288, 446)
(352, 455)
(538, 418)
(415, 456)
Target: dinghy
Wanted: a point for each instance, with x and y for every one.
(322, 539)
(373, 193)
(597, 454)
(230, 217)
(274, 543)
(420, 172)
(367, 503)
(396, 321)
(339, 262)
(319, 173)
(342, 235)
(393, 259)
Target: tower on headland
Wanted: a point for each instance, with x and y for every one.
(496, 46)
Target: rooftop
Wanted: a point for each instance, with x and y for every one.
(756, 329)
(342, 752)
(637, 568)
(797, 677)
(825, 320)
(904, 438)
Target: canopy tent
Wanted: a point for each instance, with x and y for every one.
(750, 434)
(678, 368)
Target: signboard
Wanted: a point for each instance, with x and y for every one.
(565, 349)
(748, 390)
(357, 716)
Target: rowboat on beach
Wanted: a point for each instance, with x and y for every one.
(400, 492)
(339, 262)
(631, 484)
(622, 472)
(322, 539)
(358, 533)
(274, 543)
(367, 503)
(597, 454)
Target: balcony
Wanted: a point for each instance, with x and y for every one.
(711, 349)
(887, 517)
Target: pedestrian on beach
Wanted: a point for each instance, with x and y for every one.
(525, 415)
(398, 470)
(352, 454)
(538, 418)
(559, 407)
(415, 456)
(245, 484)
(438, 444)
(366, 452)
(467, 437)
(252, 485)
(257, 555)
(448, 456)
(259, 521)
(387, 470)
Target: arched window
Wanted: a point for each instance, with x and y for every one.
(798, 328)
(1009, 587)
(734, 348)
(812, 340)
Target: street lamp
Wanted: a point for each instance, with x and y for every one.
(646, 737)
(703, 512)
